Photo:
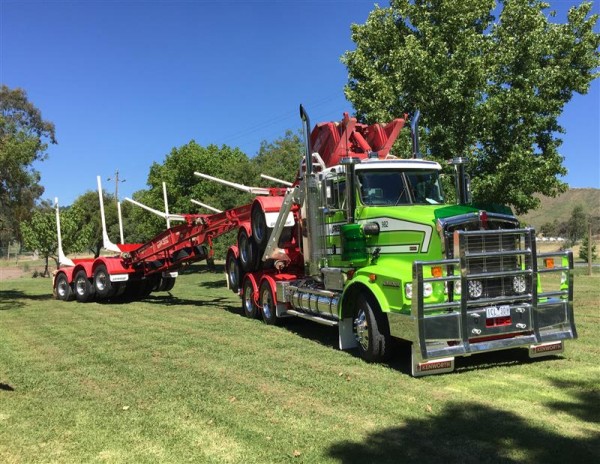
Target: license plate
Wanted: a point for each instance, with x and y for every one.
(497, 311)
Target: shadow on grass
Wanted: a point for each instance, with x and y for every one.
(14, 299)
(6, 387)
(401, 350)
(587, 396)
(467, 433)
(170, 300)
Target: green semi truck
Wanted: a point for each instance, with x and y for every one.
(366, 242)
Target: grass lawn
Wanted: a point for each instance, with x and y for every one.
(187, 378)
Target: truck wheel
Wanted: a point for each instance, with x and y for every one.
(64, 291)
(103, 287)
(248, 251)
(232, 267)
(248, 300)
(268, 304)
(84, 290)
(258, 222)
(371, 330)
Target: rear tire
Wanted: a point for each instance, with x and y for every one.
(62, 288)
(268, 304)
(232, 268)
(248, 300)
(103, 287)
(248, 251)
(371, 329)
(84, 290)
(258, 222)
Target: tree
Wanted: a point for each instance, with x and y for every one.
(583, 250)
(491, 88)
(577, 225)
(24, 138)
(39, 232)
(177, 171)
(280, 158)
(86, 212)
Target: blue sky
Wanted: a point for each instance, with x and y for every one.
(125, 82)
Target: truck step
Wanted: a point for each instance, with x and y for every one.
(312, 317)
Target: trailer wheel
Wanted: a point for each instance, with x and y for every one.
(248, 251)
(249, 301)
(268, 304)
(371, 329)
(64, 291)
(102, 285)
(169, 283)
(258, 222)
(84, 290)
(232, 268)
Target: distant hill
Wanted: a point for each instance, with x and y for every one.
(560, 207)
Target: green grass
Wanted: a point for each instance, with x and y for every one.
(189, 379)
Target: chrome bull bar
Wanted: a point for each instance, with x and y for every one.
(465, 324)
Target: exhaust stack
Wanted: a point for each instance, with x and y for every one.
(414, 131)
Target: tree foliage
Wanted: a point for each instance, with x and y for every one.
(488, 87)
(86, 213)
(280, 158)
(24, 138)
(583, 250)
(40, 233)
(577, 225)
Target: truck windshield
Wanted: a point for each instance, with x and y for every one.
(391, 188)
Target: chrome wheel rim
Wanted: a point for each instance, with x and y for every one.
(101, 282)
(248, 303)
(267, 303)
(361, 329)
(61, 288)
(80, 286)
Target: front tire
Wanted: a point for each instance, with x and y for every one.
(371, 329)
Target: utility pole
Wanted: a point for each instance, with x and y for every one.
(117, 180)
(589, 244)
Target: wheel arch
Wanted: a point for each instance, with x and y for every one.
(362, 286)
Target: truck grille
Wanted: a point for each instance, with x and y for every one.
(496, 263)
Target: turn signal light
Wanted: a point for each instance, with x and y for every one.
(372, 277)
(436, 271)
(549, 263)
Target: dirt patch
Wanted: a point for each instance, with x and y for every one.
(8, 273)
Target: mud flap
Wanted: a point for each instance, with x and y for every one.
(546, 349)
(420, 368)
(347, 339)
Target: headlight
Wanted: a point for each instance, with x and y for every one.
(427, 289)
(519, 284)
(408, 291)
(475, 288)
(457, 287)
